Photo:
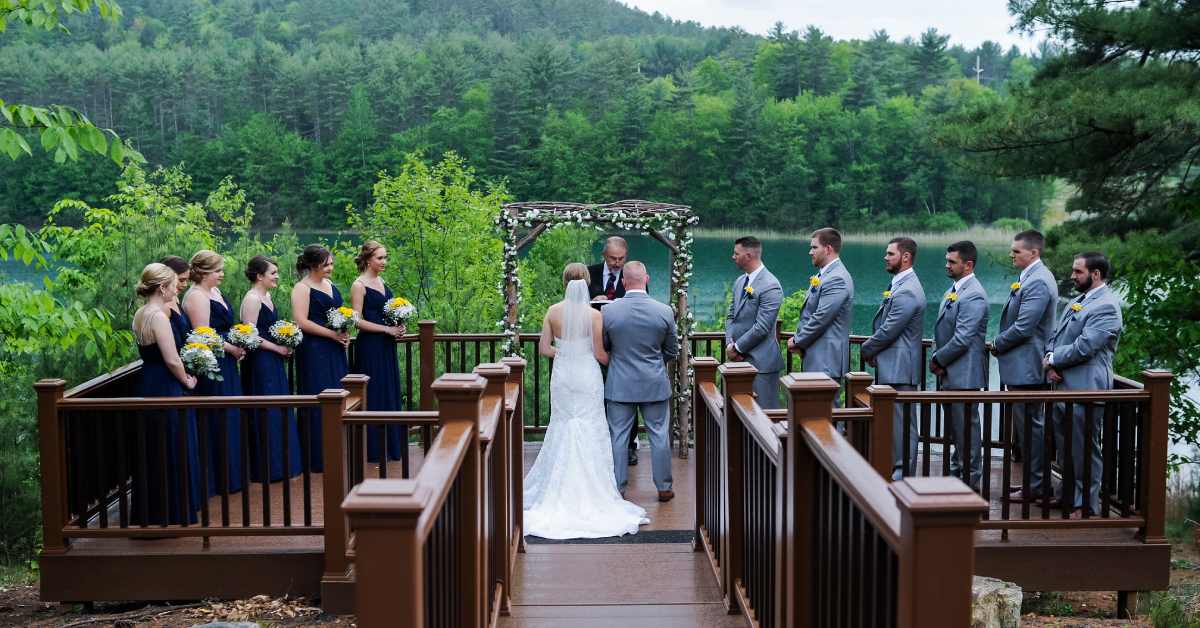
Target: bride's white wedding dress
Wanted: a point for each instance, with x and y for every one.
(570, 492)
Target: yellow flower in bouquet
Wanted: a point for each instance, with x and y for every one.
(245, 336)
(208, 337)
(398, 310)
(198, 359)
(341, 318)
(287, 334)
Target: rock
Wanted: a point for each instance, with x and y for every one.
(995, 603)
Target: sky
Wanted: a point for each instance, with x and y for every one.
(969, 22)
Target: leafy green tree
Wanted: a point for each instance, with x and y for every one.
(929, 63)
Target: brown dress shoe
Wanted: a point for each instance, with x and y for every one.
(666, 496)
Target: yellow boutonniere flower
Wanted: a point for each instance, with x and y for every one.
(1076, 307)
(345, 311)
(814, 281)
(750, 290)
(887, 294)
(204, 330)
(952, 296)
(1016, 285)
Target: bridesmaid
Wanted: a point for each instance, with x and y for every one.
(266, 374)
(321, 358)
(179, 321)
(163, 375)
(206, 306)
(375, 349)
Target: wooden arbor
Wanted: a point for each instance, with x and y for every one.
(522, 223)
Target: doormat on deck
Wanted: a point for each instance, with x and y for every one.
(649, 536)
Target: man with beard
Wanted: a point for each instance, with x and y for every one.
(894, 348)
(1026, 324)
(960, 361)
(750, 322)
(1080, 357)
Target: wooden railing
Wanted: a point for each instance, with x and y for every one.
(1132, 423)
(435, 550)
(801, 530)
(104, 475)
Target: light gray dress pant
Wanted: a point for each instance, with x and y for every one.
(898, 429)
(655, 415)
(766, 388)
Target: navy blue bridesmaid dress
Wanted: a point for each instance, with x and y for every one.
(266, 374)
(375, 357)
(173, 471)
(224, 426)
(320, 364)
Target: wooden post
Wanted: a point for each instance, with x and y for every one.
(389, 559)
(810, 396)
(883, 400)
(705, 370)
(460, 398)
(53, 465)
(336, 581)
(495, 487)
(938, 517)
(739, 380)
(1153, 480)
(428, 356)
(516, 491)
(856, 382)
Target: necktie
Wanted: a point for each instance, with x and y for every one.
(611, 289)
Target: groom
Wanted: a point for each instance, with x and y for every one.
(639, 335)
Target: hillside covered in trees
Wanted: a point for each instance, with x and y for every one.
(303, 102)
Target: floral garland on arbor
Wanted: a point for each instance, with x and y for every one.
(671, 223)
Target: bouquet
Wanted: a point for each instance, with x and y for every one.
(245, 336)
(398, 310)
(341, 318)
(199, 360)
(286, 334)
(208, 337)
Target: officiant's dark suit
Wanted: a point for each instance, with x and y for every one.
(605, 281)
(602, 282)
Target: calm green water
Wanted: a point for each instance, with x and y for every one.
(788, 260)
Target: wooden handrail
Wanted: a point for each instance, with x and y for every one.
(101, 381)
(386, 417)
(1010, 396)
(757, 425)
(170, 403)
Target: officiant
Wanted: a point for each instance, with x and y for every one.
(605, 284)
(605, 278)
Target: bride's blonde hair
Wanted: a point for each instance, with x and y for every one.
(574, 270)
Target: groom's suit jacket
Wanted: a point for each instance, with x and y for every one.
(639, 335)
(750, 323)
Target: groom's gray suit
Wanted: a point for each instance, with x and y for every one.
(639, 335)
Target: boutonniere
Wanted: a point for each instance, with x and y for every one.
(887, 294)
(814, 281)
(1016, 285)
(750, 290)
(952, 296)
(1076, 307)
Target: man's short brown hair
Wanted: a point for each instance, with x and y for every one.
(829, 236)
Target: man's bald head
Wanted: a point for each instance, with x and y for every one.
(635, 276)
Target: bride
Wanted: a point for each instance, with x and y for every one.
(571, 492)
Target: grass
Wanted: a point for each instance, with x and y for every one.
(18, 575)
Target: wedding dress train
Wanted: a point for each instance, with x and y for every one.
(571, 492)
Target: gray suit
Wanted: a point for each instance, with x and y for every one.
(1026, 324)
(1082, 352)
(960, 335)
(750, 325)
(639, 334)
(895, 346)
(823, 333)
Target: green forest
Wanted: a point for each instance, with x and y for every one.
(304, 102)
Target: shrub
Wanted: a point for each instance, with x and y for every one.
(1015, 225)
(944, 222)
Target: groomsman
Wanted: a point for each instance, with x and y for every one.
(822, 337)
(894, 348)
(750, 324)
(1026, 324)
(1080, 357)
(960, 360)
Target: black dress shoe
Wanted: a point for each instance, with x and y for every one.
(633, 457)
